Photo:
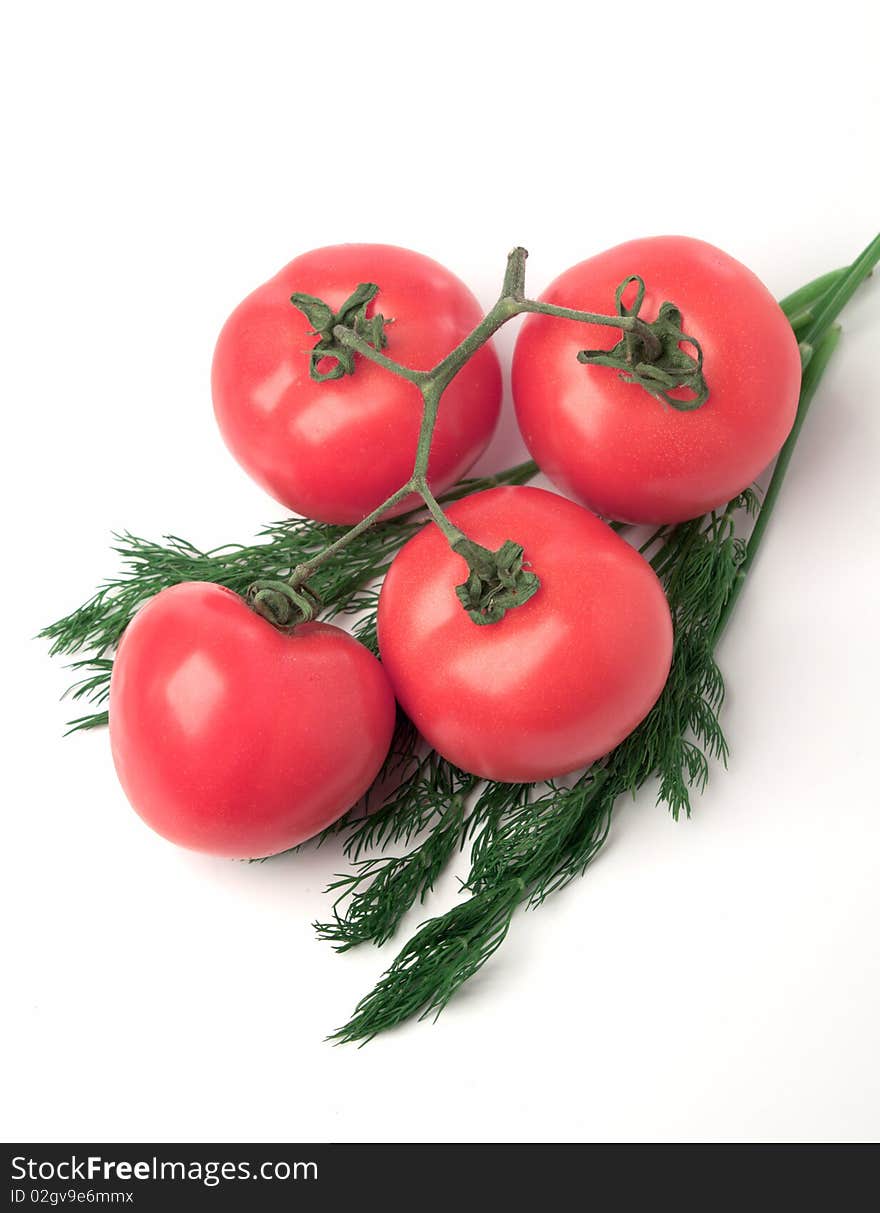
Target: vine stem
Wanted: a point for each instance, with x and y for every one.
(450, 531)
(434, 382)
(302, 572)
(512, 302)
(353, 341)
(811, 310)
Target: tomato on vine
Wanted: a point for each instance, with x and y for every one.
(333, 437)
(233, 737)
(556, 682)
(618, 448)
(523, 636)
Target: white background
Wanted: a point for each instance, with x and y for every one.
(716, 979)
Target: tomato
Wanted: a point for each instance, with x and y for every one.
(336, 450)
(618, 449)
(234, 738)
(557, 682)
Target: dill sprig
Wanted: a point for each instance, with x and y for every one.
(381, 889)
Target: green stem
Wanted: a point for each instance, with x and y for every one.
(818, 345)
(799, 306)
(348, 337)
(512, 295)
(431, 394)
(812, 375)
(519, 473)
(507, 307)
(302, 572)
(446, 370)
(514, 285)
(451, 532)
(836, 299)
(434, 382)
(628, 324)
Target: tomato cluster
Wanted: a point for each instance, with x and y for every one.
(235, 736)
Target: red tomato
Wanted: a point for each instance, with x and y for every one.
(612, 445)
(336, 450)
(557, 682)
(237, 739)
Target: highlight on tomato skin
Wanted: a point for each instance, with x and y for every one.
(621, 451)
(334, 451)
(237, 739)
(557, 682)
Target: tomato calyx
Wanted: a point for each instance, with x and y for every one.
(651, 355)
(282, 604)
(497, 581)
(353, 316)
